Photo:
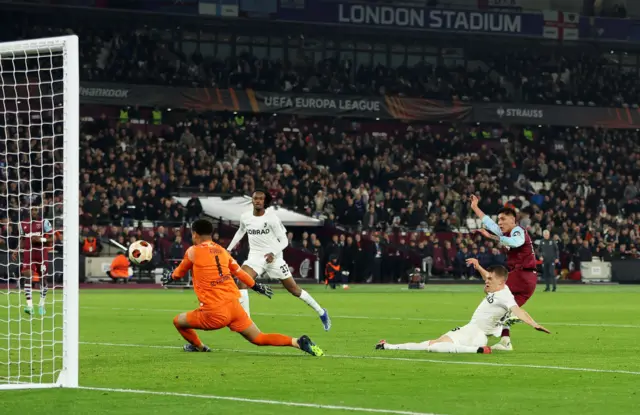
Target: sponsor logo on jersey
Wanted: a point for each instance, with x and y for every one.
(258, 231)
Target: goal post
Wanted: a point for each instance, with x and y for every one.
(39, 175)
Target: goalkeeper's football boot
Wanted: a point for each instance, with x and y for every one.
(380, 345)
(326, 320)
(308, 346)
(41, 310)
(191, 348)
(28, 310)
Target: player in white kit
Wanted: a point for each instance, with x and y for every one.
(267, 240)
(487, 320)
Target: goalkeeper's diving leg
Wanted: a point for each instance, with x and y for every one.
(237, 320)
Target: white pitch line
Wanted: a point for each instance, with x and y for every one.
(260, 401)
(436, 320)
(400, 359)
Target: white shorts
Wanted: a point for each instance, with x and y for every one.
(277, 270)
(469, 335)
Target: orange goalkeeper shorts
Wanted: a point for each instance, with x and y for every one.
(230, 315)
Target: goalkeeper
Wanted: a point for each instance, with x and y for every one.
(212, 269)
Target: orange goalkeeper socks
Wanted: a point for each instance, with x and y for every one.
(189, 335)
(266, 339)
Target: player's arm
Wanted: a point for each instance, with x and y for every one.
(239, 273)
(280, 232)
(487, 222)
(185, 265)
(237, 237)
(516, 239)
(492, 226)
(479, 213)
(41, 239)
(483, 272)
(524, 316)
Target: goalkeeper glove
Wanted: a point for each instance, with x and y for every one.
(263, 289)
(166, 276)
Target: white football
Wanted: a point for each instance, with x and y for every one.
(140, 252)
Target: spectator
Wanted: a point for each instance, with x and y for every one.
(119, 270)
(550, 256)
(194, 208)
(91, 246)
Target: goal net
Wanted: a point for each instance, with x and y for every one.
(39, 150)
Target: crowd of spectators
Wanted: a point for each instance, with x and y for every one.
(143, 56)
(575, 78)
(409, 185)
(405, 186)
(514, 74)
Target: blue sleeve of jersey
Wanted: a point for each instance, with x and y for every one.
(515, 240)
(46, 226)
(491, 225)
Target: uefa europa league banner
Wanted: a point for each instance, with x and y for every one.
(371, 107)
(213, 99)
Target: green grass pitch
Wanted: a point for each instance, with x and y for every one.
(589, 365)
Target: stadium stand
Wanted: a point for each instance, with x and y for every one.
(406, 183)
(580, 75)
(587, 192)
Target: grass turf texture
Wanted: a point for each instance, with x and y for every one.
(129, 342)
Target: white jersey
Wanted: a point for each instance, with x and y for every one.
(266, 233)
(492, 311)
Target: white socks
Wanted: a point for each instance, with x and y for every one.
(244, 301)
(43, 294)
(304, 296)
(407, 346)
(451, 348)
(434, 348)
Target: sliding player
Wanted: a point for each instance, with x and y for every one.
(35, 235)
(521, 260)
(267, 240)
(487, 320)
(212, 270)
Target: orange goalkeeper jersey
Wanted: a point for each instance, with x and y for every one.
(213, 269)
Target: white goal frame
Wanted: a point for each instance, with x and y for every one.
(68, 376)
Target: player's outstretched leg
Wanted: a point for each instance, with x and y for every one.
(304, 343)
(442, 345)
(293, 288)
(244, 290)
(189, 334)
(505, 345)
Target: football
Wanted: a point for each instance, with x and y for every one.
(140, 252)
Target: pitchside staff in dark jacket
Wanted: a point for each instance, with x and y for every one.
(550, 256)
